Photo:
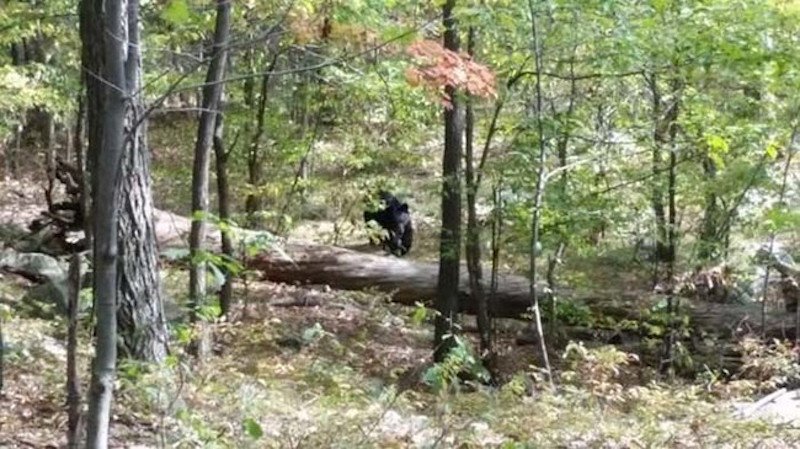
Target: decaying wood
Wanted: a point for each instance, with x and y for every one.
(409, 281)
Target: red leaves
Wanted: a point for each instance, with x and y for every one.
(436, 67)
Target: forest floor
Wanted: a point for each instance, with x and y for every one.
(313, 367)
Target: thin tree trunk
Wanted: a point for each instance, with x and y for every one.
(73, 378)
(450, 244)
(13, 154)
(140, 313)
(473, 245)
(771, 246)
(540, 185)
(497, 233)
(223, 196)
(50, 160)
(80, 162)
(255, 158)
(93, 60)
(661, 129)
(673, 302)
(212, 92)
(109, 33)
(711, 235)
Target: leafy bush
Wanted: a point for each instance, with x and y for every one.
(769, 365)
(460, 361)
(599, 370)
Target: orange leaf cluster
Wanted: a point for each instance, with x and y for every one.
(437, 67)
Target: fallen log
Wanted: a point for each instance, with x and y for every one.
(301, 263)
(408, 281)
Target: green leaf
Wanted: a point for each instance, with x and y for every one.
(176, 12)
(781, 218)
(312, 333)
(717, 145)
(175, 254)
(772, 150)
(252, 428)
(420, 313)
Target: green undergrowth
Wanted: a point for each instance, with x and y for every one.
(355, 373)
(312, 399)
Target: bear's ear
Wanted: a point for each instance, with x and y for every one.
(403, 208)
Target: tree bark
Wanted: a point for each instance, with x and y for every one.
(255, 158)
(108, 32)
(673, 302)
(84, 199)
(664, 120)
(450, 243)
(223, 197)
(714, 232)
(212, 92)
(472, 248)
(140, 312)
(93, 61)
(73, 378)
(538, 194)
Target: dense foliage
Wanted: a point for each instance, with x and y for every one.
(641, 150)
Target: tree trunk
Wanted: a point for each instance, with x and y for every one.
(711, 235)
(255, 158)
(473, 243)
(80, 163)
(212, 92)
(450, 244)
(49, 140)
(538, 194)
(661, 129)
(108, 34)
(73, 378)
(223, 196)
(140, 311)
(93, 60)
(673, 303)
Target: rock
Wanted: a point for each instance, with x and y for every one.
(780, 407)
(36, 264)
(48, 270)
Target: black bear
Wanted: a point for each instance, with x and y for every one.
(396, 220)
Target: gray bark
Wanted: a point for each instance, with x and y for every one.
(205, 133)
(73, 378)
(223, 197)
(114, 40)
(140, 314)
